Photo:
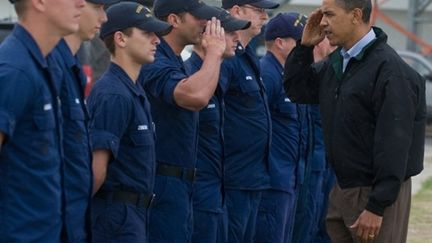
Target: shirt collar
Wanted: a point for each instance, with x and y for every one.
(29, 42)
(67, 55)
(169, 52)
(358, 47)
(122, 75)
(274, 60)
(196, 60)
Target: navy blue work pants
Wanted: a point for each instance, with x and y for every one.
(242, 209)
(118, 222)
(275, 217)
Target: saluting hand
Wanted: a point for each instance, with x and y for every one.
(213, 41)
(313, 32)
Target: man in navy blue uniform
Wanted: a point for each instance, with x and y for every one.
(77, 162)
(277, 207)
(121, 127)
(30, 116)
(210, 224)
(247, 127)
(176, 97)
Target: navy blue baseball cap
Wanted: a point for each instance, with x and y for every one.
(197, 8)
(229, 23)
(267, 4)
(124, 15)
(285, 25)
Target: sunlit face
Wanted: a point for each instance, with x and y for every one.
(64, 15)
(231, 39)
(257, 17)
(191, 29)
(92, 17)
(338, 24)
(141, 46)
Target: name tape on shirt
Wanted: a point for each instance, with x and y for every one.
(142, 127)
(47, 107)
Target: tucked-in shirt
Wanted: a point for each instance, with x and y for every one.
(77, 163)
(208, 183)
(177, 128)
(120, 121)
(247, 127)
(30, 157)
(284, 150)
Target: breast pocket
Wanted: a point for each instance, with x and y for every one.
(141, 138)
(44, 138)
(250, 98)
(75, 113)
(287, 109)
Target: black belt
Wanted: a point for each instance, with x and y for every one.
(176, 171)
(140, 200)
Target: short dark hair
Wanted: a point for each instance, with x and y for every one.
(109, 40)
(364, 5)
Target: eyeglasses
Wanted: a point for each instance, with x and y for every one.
(258, 10)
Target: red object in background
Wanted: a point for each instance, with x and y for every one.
(88, 71)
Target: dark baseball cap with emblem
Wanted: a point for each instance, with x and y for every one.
(266, 4)
(125, 15)
(197, 8)
(285, 25)
(229, 23)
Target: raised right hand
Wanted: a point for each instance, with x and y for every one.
(213, 41)
(313, 32)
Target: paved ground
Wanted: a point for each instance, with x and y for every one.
(427, 172)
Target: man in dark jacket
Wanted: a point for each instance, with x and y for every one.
(373, 115)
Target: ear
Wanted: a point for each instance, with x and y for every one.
(235, 11)
(174, 20)
(39, 5)
(279, 42)
(120, 39)
(357, 16)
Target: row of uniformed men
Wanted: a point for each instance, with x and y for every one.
(45, 144)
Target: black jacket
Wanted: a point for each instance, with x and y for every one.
(373, 115)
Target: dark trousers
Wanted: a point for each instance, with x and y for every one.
(347, 204)
(242, 209)
(118, 222)
(275, 216)
(171, 213)
(209, 227)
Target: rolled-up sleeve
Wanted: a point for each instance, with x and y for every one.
(160, 80)
(109, 119)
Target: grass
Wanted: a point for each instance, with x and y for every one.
(420, 224)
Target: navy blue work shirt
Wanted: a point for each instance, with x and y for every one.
(247, 127)
(120, 121)
(208, 183)
(77, 160)
(30, 157)
(284, 150)
(177, 127)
